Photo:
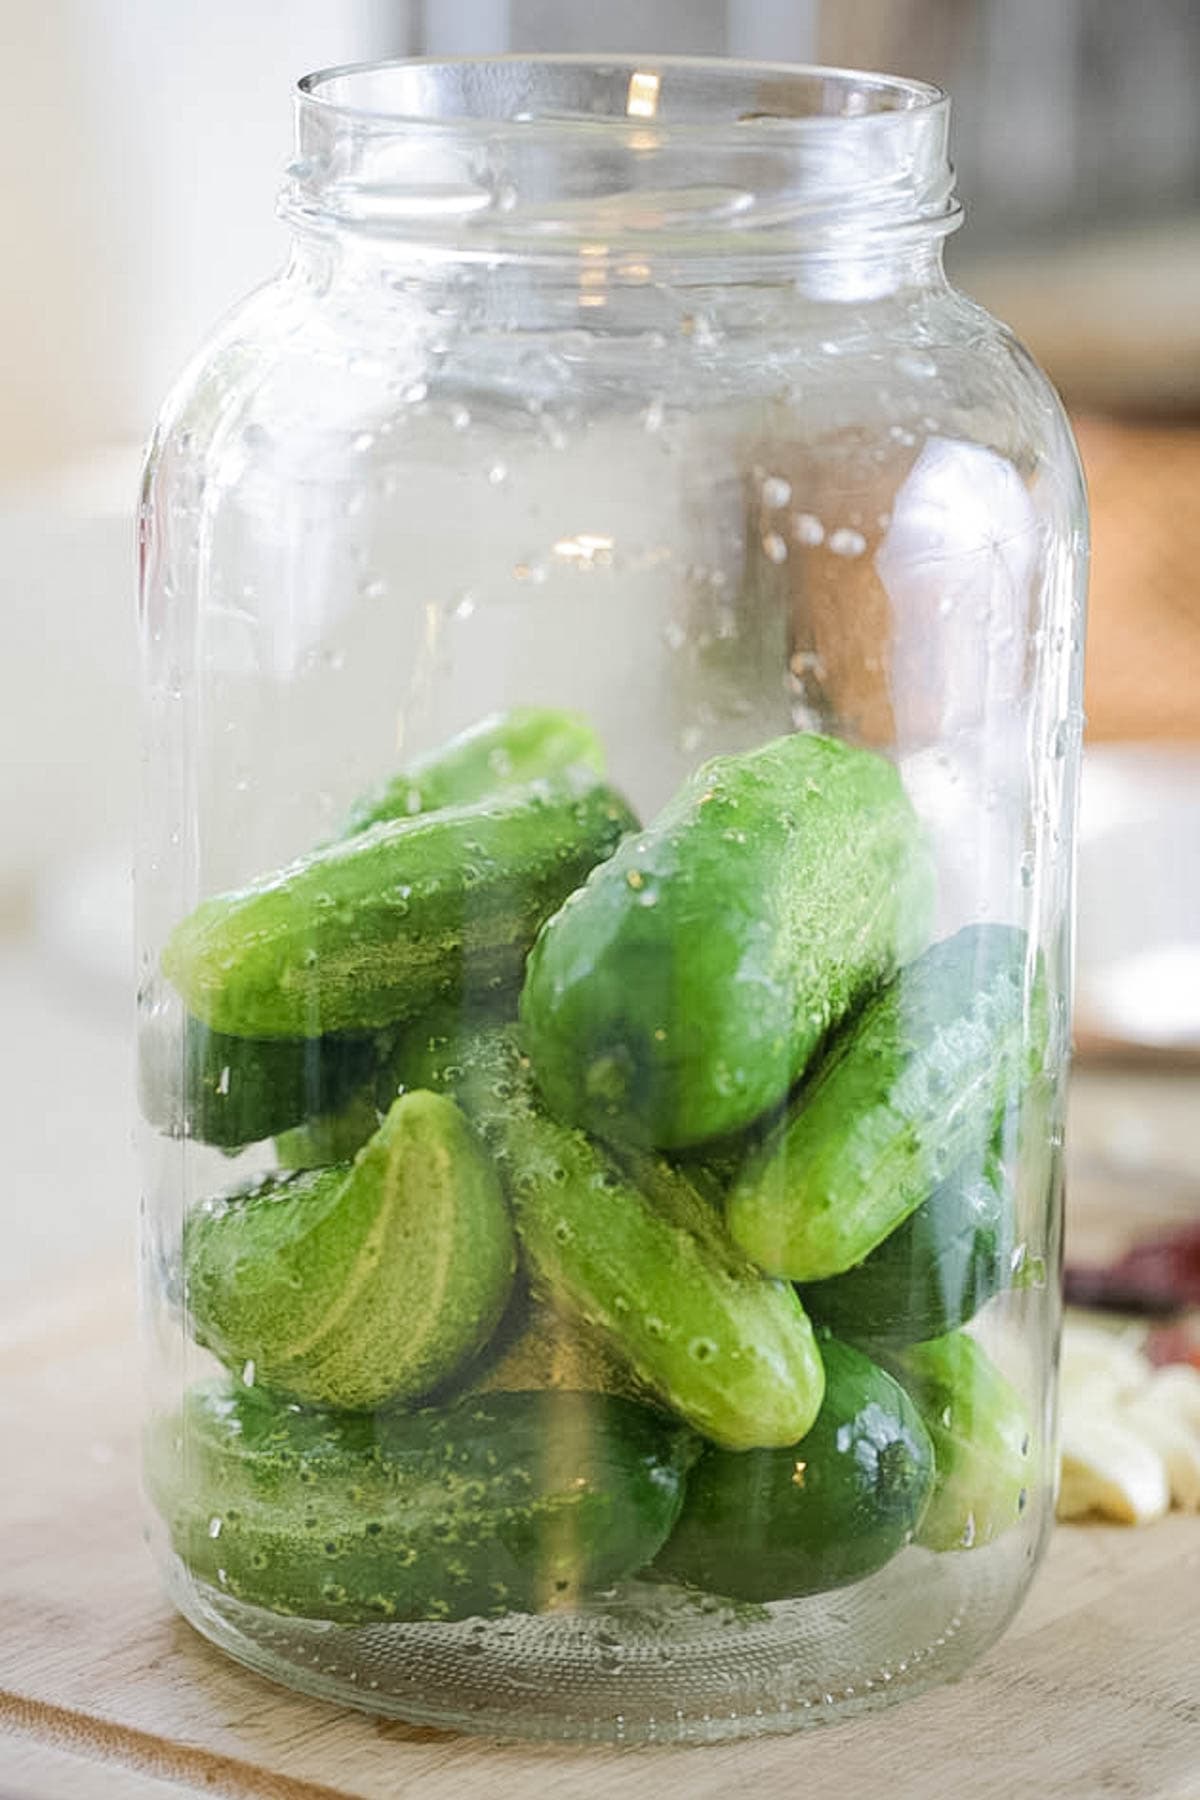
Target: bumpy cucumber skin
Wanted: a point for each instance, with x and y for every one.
(547, 1350)
(982, 1441)
(515, 1502)
(775, 1524)
(679, 994)
(933, 1273)
(231, 1091)
(365, 1283)
(635, 1254)
(909, 1090)
(378, 927)
(504, 750)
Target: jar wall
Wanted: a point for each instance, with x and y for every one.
(401, 494)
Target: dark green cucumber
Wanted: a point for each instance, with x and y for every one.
(773, 1524)
(933, 1273)
(502, 1503)
(634, 1253)
(364, 1283)
(378, 927)
(231, 1091)
(908, 1091)
(679, 994)
(504, 750)
(982, 1441)
(336, 1136)
(331, 1137)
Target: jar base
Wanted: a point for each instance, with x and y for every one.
(648, 1663)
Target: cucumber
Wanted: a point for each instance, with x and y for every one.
(774, 1524)
(502, 1503)
(231, 1091)
(361, 1284)
(982, 1441)
(331, 1137)
(504, 750)
(337, 1135)
(679, 994)
(910, 1089)
(549, 1351)
(636, 1255)
(376, 928)
(933, 1273)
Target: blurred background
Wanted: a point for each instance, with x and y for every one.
(142, 144)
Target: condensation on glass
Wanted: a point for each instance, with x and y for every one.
(611, 620)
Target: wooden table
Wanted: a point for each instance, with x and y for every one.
(106, 1695)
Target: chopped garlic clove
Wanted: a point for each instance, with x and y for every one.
(1161, 1424)
(1108, 1467)
(1178, 1387)
(1101, 1361)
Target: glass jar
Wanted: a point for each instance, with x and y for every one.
(611, 618)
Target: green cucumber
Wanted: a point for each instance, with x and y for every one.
(361, 1284)
(336, 1136)
(680, 993)
(634, 1253)
(502, 1503)
(330, 1137)
(774, 1524)
(504, 750)
(933, 1273)
(550, 1351)
(378, 927)
(982, 1441)
(231, 1091)
(910, 1089)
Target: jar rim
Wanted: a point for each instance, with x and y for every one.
(863, 98)
(682, 156)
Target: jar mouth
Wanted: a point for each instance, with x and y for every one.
(621, 157)
(708, 96)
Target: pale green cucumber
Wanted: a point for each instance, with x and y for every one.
(636, 1255)
(364, 1283)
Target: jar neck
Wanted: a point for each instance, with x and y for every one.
(608, 174)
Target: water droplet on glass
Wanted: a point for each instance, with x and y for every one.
(847, 542)
(498, 474)
(776, 491)
(914, 363)
(808, 529)
(774, 547)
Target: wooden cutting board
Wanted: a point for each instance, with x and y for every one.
(106, 1695)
